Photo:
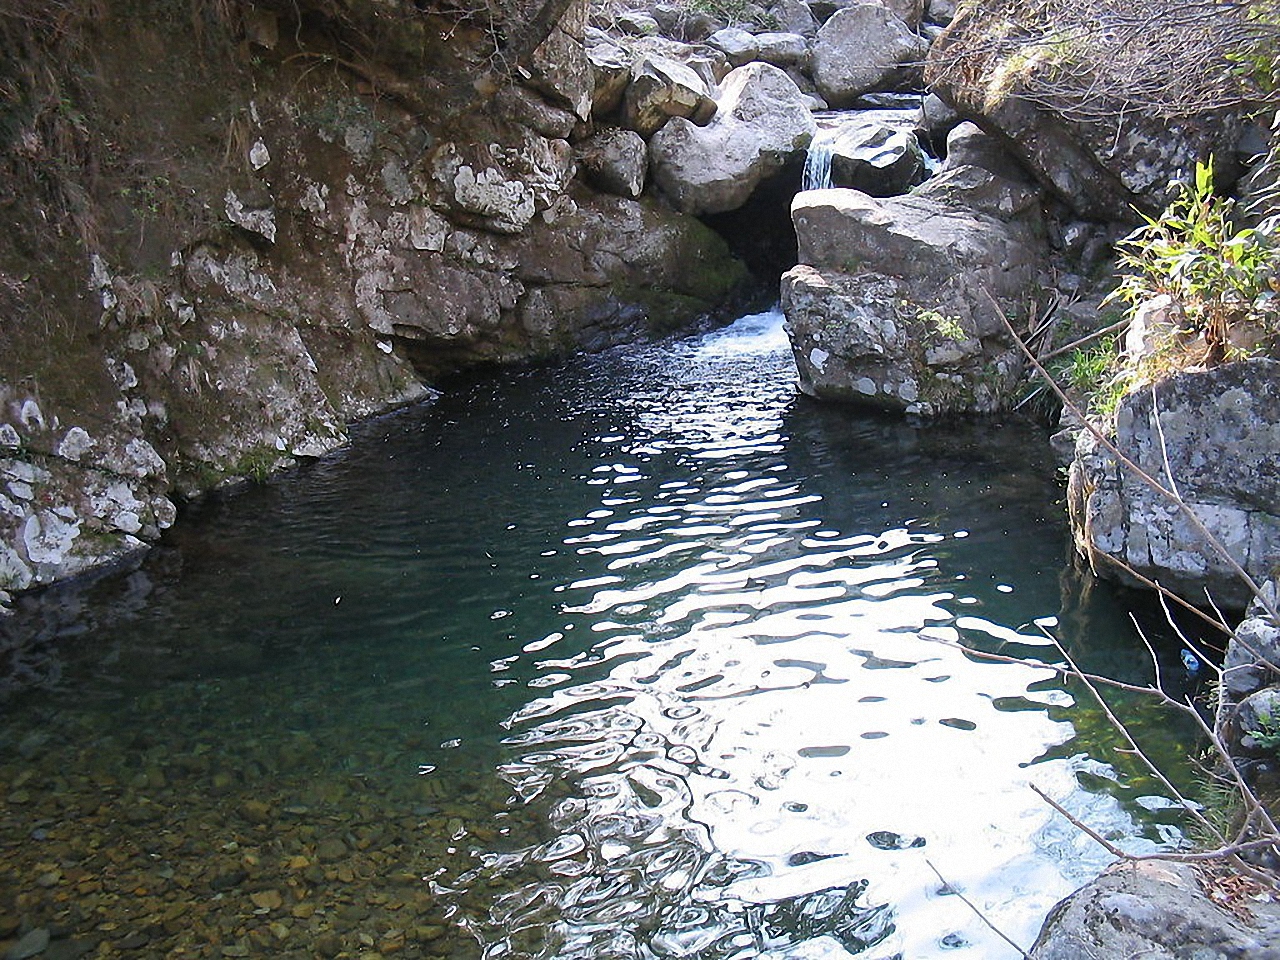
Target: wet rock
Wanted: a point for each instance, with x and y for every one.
(331, 849)
(1217, 428)
(31, 944)
(228, 880)
(1153, 909)
(267, 899)
(888, 840)
(875, 151)
(862, 48)
(327, 944)
(256, 811)
(762, 121)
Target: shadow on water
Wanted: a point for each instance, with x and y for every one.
(640, 656)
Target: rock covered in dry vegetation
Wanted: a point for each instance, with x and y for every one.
(1103, 121)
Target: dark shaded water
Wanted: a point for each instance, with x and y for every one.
(641, 656)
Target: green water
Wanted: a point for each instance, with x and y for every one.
(640, 656)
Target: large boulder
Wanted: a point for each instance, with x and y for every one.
(1155, 909)
(875, 151)
(1102, 159)
(979, 174)
(662, 88)
(1214, 435)
(762, 121)
(863, 48)
(893, 307)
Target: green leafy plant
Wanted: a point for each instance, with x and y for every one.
(1267, 734)
(944, 326)
(1219, 276)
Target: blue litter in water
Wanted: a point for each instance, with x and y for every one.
(1190, 661)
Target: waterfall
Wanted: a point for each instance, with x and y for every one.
(817, 161)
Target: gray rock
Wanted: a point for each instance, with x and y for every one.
(524, 106)
(936, 121)
(889, 308)
(254, 213)
(968, 145)
(737, 44)
(503, 190)
(1100, 166)
(559, 69)
(940, 11)
(1257, 721)
(1220, 429)
(976, 188)
(782, 49)
(637, 23)
(794, 16)
(863, 48)
(685, 23)
(30, 944)
(1152, 909)
(662, 88)
(762, 121)
(875, 151)
(910, 12)
(616, 161)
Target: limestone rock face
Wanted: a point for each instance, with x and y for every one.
(1153, 909)
(1220, 430)
(761, 121)
(662, 88)
(889, 308)
(500, 181)
(344, 251)
(1100, 167)
(863, 48)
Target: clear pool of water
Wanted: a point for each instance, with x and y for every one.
(638, 656)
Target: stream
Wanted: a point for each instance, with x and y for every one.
(642, 655)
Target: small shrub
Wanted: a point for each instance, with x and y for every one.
(949, 328)
(1220, 276)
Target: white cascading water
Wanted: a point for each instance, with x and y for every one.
(817, 162)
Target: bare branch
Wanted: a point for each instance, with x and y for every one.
(980, 915)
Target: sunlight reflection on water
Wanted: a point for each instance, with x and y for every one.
(772, 746)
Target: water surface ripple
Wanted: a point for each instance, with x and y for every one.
(698, 631)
